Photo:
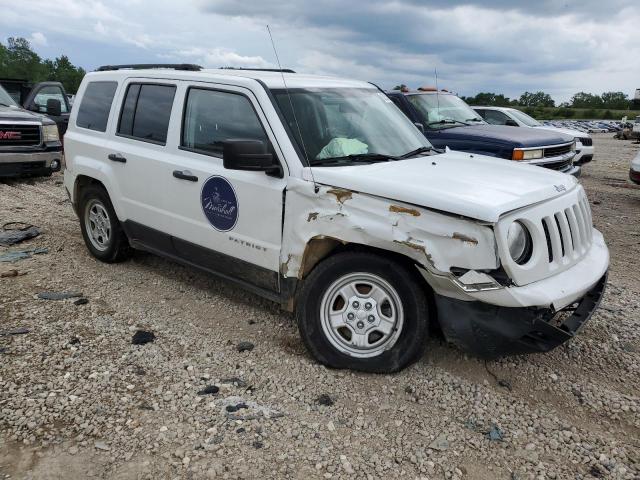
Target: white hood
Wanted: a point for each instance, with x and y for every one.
(473, 186)
(566, 131)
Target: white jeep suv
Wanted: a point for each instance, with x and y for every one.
(516, 118)
(319, 194)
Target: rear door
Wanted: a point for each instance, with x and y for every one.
(137, 148)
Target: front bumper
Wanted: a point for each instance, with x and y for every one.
(584, 154)
(491, 331)
(634, 176)
(32, 163)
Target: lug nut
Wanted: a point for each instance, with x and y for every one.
(368, 305)
(371, 318)
(350, 316)
(360, 325)
(356, 304)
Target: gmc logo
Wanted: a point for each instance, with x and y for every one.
(10, 135)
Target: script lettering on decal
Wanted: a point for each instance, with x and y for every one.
(219, 203)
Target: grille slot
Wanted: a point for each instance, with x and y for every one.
(587, 142)
(19, 135)
(555, 151)
(568, 232)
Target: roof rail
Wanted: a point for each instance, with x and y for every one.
(140, 66)
(278, 70)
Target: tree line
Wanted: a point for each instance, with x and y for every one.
(608, 100)
(18, 60)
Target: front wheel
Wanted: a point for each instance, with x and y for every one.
(364, 312)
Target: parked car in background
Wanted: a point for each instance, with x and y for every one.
(447, 121)
(29, 142)
(321, 195)
(636, 125)
(634, 171)
(516, 118)
(48, 98)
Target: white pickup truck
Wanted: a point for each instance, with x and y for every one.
(318, 193)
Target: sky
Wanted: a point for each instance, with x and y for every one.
(502, 46)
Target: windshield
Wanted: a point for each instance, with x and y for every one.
(443, 111)
(351, 124)
(5, 99)
(524, 118)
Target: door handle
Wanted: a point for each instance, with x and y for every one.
(185, 175)
(116, 157)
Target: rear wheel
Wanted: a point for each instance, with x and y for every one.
(100, 226)
(365, 312)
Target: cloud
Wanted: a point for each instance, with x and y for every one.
(505, 46)
(38, 38)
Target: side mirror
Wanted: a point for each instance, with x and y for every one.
(420, 126)
(249, 155)
(54, 107)
(511, 123)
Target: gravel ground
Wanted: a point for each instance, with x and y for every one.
(79, 400)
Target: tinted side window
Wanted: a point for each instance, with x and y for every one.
(95, 106)
(211, 117)
(146, 112)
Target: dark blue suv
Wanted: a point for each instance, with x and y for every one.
(447, 121)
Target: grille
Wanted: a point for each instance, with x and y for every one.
(19, 135)
(561, 166)
(20, 168)
(568, 232)
(555, 151)
(587, 142)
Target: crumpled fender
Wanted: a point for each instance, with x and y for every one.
(435, 240)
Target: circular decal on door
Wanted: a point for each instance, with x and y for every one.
(219, 203)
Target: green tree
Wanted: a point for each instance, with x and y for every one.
(18, 60)
(402, 86)
(489, 99)
(615, 100)
(537, 99)
(586, 100)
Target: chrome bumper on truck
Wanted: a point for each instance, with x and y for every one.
(31, 163)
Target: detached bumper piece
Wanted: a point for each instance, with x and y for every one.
(489, 331)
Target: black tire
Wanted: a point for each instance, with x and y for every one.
(117, 249)
(411, 340)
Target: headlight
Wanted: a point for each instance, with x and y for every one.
(519, 154)
(519, 242)
(50, 133)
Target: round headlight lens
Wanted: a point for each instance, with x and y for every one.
(519, 241)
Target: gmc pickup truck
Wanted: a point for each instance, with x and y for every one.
(48, 98)
(29, 142)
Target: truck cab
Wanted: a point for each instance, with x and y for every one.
(447, 121)
(29, 142)
(47, 98)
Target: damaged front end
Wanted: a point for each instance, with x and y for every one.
(480, 305)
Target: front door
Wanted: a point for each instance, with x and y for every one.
(228, 221)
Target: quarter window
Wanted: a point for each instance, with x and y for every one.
(95, 105)
(211, 117)
(146, 112)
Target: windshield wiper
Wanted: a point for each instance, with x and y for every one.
(4, 104)
(474, 120)
(445, 121)
(412, 153)
(364, 157)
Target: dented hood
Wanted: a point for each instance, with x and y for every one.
(470, 185)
